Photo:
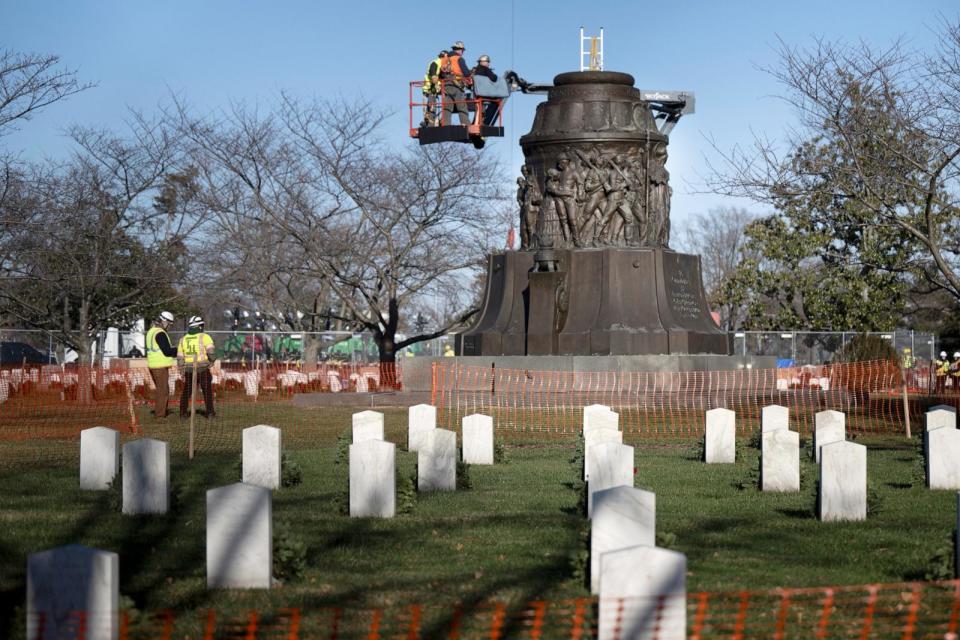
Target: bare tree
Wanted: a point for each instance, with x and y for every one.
(370, 228)
(873, 163)
(99, 241)
(29, 82)
(718, 237)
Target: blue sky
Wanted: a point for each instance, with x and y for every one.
(212, 52)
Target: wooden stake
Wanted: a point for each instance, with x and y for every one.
(193, 401)
(906, 402)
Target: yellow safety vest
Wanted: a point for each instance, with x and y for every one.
(428, 85)
(193, 348)
(155, 357)
(942, 367)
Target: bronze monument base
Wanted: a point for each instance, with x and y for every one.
(609, 301)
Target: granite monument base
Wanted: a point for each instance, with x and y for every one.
(604, 301)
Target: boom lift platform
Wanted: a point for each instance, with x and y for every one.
(667, 108)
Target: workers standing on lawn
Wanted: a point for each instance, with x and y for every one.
(160, 357)
(941, 367)
(195, 355)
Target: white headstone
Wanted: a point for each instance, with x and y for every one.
(780, 461)
(720, 438)
(261, 456)
(478, 439)
(333, 379)
(437, 461)
(373, 491)
(421, 419)
(146, 476)
(829, 426)
(942, 415)
(367, 425)
(67, 580)
(942, 448)
(598, 416)
(99, 458)
(239, 537)
(622, 517)
(594, 409)
(643, 594)
(774, 417)
(251, 383)
(597, 436)
(843, 482)
(611, 465)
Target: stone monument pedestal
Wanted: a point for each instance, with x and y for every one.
(604, 301)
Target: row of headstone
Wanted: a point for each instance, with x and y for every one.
(146, 465)
(68, 581)
(842, 492)
(373, 460)
(642, 588)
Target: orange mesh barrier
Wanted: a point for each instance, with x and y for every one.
(904, 610)
(51, 395)
(672, 404)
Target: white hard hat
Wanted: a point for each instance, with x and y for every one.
(166, 316)
(956, 354)
(943, 354)
(195, 321)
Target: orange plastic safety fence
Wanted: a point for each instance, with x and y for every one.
(672, 404)
(903, 610)
(52, 402)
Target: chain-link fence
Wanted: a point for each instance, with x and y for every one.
(244, 347)
(791, 348)
(795, 348)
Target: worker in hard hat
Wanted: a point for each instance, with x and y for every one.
(160, 357)
(195, 355)
(456, 78)
(431, 90)
(484, 70)
(941, 368)
(448, 351)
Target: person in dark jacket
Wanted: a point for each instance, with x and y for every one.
(456, 76)
(491, 108)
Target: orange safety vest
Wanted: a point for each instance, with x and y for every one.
(451, 67)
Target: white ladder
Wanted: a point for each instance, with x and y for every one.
(591, 52)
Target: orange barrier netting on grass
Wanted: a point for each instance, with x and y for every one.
(54, 402)
(672, 404)
(45, 403)
(905, 610)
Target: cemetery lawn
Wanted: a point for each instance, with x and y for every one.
(516, 535)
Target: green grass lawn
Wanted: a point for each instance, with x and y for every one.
(514, 536)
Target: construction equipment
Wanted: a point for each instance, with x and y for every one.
(667, 106)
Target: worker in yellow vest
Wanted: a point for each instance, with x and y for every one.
(941, 367)
(195, 355)
(160, 357)
(431, 90)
